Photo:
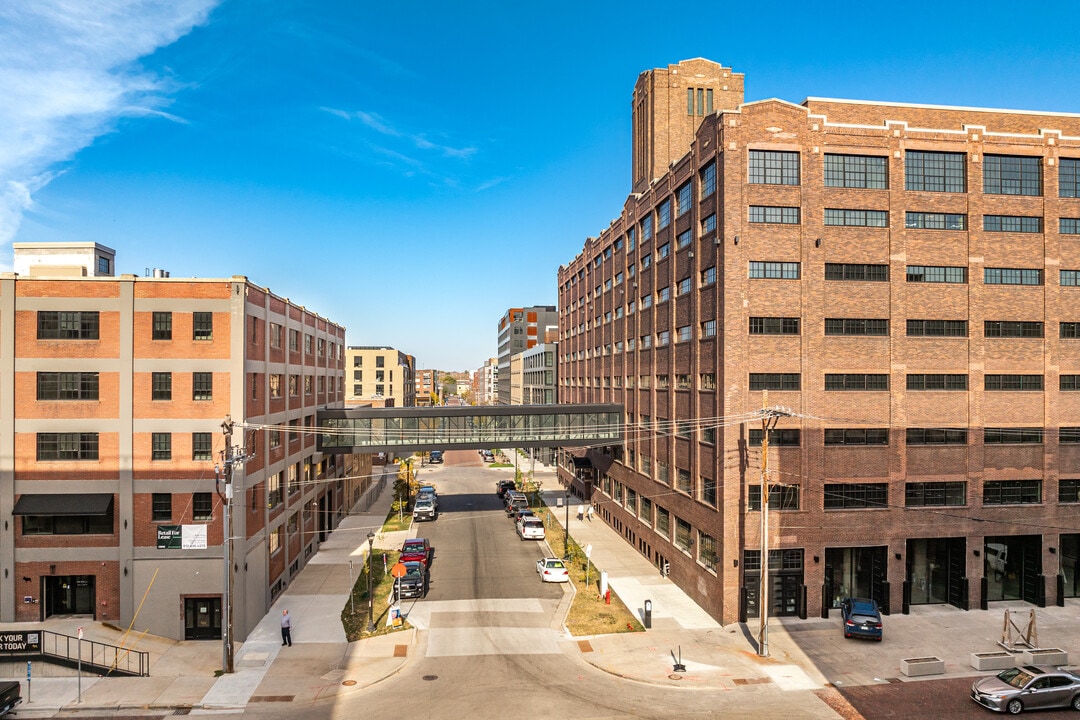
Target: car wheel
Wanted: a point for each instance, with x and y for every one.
(1015, 707)
(1076, 703)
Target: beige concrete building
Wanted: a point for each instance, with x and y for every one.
(379, 375)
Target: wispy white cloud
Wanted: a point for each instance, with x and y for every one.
(67, 73)
(376, 122)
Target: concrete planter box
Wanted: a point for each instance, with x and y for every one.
(916, 667)
(1000, 660)
(1045, 656)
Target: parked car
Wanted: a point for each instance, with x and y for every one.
(1029, 687)
(861, 617)
(517, 503)
(530, 527)
(435, 457)
(10, 696)
(427, 492)
(502, 486)
(415, 581)
(552, 570)
(424, 509)
(487, 455)
(416, 550)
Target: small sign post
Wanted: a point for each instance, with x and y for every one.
(28, 700)
(80, 663)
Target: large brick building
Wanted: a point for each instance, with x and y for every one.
(904, 280)
(113, 395)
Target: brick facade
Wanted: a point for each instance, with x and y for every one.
(247, 356)
(708, 374)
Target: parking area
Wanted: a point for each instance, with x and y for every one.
(940, 631)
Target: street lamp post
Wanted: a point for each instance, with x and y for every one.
(769, 418)
(370, 599)
(566, 538)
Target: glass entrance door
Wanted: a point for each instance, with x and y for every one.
(202, 618)
(855, 572)
(68, 595)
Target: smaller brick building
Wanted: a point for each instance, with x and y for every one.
(113, 395)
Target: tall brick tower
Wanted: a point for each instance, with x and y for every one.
(669, 105)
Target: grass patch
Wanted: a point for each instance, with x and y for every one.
(500, 464)
(589, 613)
(356, 624)
(392, 523)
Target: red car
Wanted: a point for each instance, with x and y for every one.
(416, 550)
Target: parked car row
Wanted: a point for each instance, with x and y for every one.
(426, 506)
(415, 556)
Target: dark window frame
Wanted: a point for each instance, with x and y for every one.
(68, 325)
(66, 386)
(161, 325)
(1012, 492)
(855, 496)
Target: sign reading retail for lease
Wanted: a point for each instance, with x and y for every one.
(181, 537)
(168, 537)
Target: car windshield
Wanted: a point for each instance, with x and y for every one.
(414, 572)
(413, 547)
(1015, 677)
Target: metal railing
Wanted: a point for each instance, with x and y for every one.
(97, 657)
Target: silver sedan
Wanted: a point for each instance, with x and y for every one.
(1027, 688)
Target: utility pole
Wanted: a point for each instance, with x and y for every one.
(229, 460)
(769, 418)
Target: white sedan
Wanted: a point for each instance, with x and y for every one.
(552, 570)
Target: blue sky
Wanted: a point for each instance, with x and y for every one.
(412, 170)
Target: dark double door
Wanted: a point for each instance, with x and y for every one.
(67, 595)
(202, 618)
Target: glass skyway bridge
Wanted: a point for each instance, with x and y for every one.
(374, 430)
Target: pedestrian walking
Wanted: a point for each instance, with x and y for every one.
(589, 512)
(286, 628)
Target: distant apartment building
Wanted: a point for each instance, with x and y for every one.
(379, 375)
(485, 387)
(521, 329)
(427, 387)
(514, 374)
(539, 374)
(114, 392)
(903, 281)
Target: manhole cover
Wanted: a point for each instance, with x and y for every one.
(429, 678)
(349, 683)
(674, 676)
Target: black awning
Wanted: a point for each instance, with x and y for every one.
(581, 463)
(82, 504)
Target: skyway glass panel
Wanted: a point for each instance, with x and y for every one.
(395, 429)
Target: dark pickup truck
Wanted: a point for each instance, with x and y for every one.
(10, 696)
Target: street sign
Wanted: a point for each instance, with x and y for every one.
(399, 570)
(588, 551)
(80, 632)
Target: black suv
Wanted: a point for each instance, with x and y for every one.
(503, 485)
(435, 457)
